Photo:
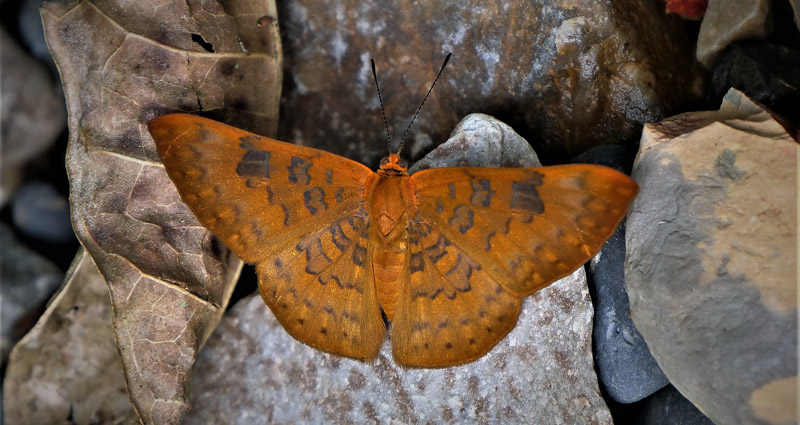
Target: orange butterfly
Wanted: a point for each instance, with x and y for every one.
(446, 254)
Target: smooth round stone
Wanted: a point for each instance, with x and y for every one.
(39, 211)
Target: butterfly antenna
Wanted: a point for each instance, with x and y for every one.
(403, 139)
(383, 113)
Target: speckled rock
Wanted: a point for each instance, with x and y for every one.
(565, 75)
(712, 260)
(252, 371)
(480, 139)
(727, 21)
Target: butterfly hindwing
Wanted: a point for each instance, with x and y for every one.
(296, 212)
(322, 290)
(451, 311)
(526, 227)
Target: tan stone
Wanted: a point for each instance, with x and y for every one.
(776, 401)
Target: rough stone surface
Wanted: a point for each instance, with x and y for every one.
(669, 407)
(32, 112)
(712, 260)
(727, 21)
(625, 366)
(26, 282)
(565, 75)
(252, 371)
(67, 369)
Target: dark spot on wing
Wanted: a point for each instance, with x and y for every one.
(417, 265)
(316, 259)
(482, 192)
(298, 171)
(286, 216)
(359, 255)
(524, 195)
(488, 245)
(462, 218)
(254, 163)
(227, 67)
(338, 237)
(314, 200)
(436, 252)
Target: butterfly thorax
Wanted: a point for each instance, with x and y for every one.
(392, 201)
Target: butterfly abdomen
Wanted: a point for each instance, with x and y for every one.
(390, 204)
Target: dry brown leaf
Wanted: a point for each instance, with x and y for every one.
(67, 366)
(122, 65)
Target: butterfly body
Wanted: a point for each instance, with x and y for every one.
(446, 254)
(391, 203)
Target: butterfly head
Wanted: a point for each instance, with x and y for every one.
(393, 165)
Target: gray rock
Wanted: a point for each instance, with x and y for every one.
(27, 281)
(33, 113)
(565, 75)
(39, 211)
(727, 21)
(712, 260)
(625, 366)
(669, 407)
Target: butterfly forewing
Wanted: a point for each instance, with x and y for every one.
(297, 213)
(526, 227)
(254, 193)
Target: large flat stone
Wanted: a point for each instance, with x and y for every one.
(712, 260)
